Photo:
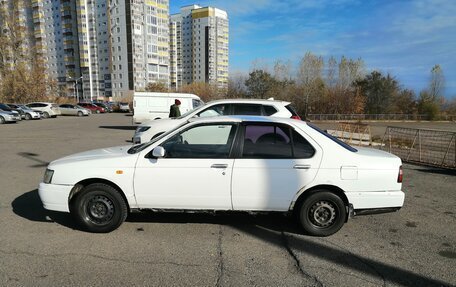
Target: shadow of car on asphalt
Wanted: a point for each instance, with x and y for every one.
(29, 206)
(274, 228)
(125, 128)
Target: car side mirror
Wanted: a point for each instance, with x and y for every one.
(158, 152)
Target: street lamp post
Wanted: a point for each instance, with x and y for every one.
(76, 81)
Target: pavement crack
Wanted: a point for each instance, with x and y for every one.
(220, 267)
(297, 263)
(18, 252)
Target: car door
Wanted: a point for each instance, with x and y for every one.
(194, 174)
(275, 161)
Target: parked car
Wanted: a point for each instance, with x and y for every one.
(73, 110)
(236, 163)
(93, 108)
(9, 117)
(6, 108)
(107, 108)
(49, 110)
(153, 128)
(25, 112)
(124, 108)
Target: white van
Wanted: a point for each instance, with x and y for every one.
(152, 106)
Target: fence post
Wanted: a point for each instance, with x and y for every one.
(419, 143)
(413, 144)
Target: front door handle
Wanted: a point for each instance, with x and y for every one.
(301, 166)
(219, 166)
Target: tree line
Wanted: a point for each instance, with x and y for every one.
(335, 86)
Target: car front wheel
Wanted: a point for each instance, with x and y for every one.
(2, 120)
(28, 117)
(322, 213)
(99, 208)
(80, 114)
(46, 115)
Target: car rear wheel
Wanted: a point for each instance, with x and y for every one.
(322, 213)
(2, 120)
(80, 114)
(28, 117)
(99, 208)
(46, 115)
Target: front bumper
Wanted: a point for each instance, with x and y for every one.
(55, 196)
(12, 119)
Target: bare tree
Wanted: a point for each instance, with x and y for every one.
(436, 83)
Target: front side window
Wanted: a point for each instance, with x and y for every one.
(206, 141)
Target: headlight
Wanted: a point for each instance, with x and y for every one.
(48, 175)
(142, 129)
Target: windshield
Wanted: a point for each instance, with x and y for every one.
(140, 147)
(191, 111)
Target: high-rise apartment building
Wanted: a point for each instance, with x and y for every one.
(107, 47)
(199, 46)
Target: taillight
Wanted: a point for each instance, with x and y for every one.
(400, 175)
(296, 117)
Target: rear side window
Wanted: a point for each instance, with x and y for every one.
(275, 142)
(266, 142)
(247, 110)
(269, 110)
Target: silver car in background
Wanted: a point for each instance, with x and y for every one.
(73, 110)
(9, 117)
(49, 110)
(26, 112)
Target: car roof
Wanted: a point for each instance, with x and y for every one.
(238, 118)
(249, 101)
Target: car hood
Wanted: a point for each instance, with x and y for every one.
(97, 154)
(158, 122)
(8, 113)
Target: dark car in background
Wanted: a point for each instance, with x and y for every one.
(92, 107)
(107, 108)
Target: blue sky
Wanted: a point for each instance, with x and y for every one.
(400, 37)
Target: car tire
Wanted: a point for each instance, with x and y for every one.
(2, 120)
(46, 115)
(99, 208)
(28, 117)
(80, 114)
(322, 213)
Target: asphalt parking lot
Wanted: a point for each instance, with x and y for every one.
(415, 246)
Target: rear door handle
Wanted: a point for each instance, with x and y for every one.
(301, 166)
(219, 166)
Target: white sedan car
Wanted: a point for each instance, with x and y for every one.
(248, 107)
(236, 163)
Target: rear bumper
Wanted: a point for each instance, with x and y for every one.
(376, 199)
(55, 196)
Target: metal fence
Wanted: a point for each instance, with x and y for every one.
(431, 147)
(375, 117)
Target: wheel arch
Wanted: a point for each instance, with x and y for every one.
(83, 183)
(328, 187)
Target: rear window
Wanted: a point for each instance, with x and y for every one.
(292, 110)
(336, 140)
